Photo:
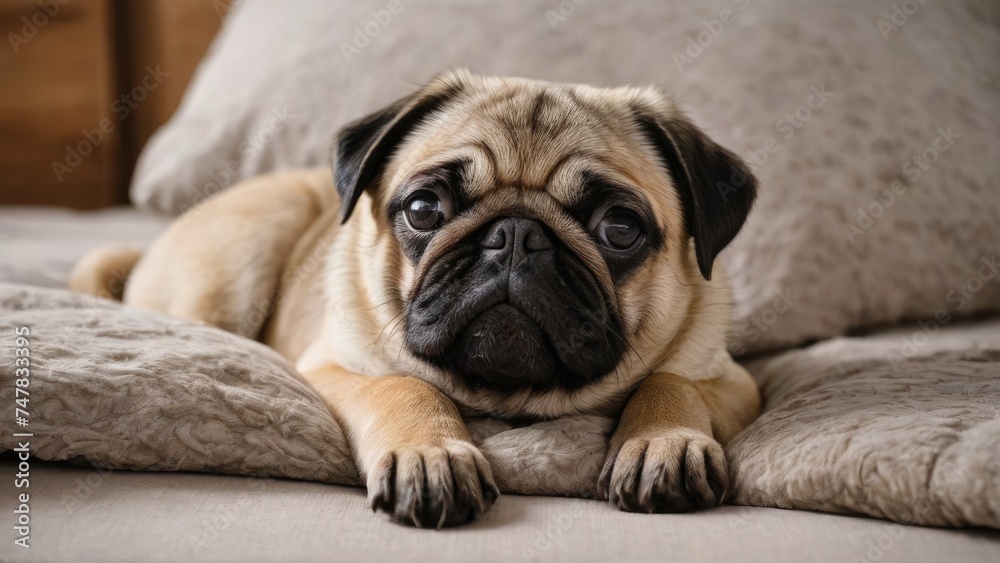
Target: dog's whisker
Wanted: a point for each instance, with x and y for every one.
(398, 321)
(379, 337)
(383, 304)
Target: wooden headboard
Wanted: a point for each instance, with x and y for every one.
(77, 103)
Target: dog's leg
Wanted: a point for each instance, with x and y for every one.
(411, 446)
(221, 261)
(666, 454)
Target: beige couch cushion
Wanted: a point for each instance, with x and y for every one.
(874, 131)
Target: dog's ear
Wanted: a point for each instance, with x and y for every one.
(717, 189)
(363, 147)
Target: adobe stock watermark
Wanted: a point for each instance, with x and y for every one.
(713, 28)
(562, 12)
(956, 299)
(555, 527)
(737, 518)
(788, 125)
(223, 7)
(33, 24)
(785, 127)
(898, 17)
(226, 515)
(366, 32)
(262, 310)
(122, 107)
(877, 547)
(913, 169)
(85, 488)
(248, 149)
(920, 511)
(756, 326)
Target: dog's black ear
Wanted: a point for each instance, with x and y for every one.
(717, 189)
(363, 147)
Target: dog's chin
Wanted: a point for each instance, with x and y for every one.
(503, 348)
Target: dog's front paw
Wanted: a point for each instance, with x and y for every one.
(432, 485)
(680, 471)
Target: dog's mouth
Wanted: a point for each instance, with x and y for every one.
(504, 346)
(504, 317)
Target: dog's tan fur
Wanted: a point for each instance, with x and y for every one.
(270, 259)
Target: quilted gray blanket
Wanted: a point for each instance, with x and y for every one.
(902, 425)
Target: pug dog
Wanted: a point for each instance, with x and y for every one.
(486, 246)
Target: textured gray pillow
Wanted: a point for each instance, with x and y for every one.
(839, 106)
(904, 425)
(852, 425)
(121, 388)
(127, 389)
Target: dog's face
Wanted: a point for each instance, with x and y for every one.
(542, 237)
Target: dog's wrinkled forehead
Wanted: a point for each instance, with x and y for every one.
(526, 134)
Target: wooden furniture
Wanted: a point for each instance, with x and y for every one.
(56, 93)
(83, 84)
(175, 35)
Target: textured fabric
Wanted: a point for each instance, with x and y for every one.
(120, 388)
(861, 425)
(136, 390)
(873, 130)
(83, 514)
(904, 425)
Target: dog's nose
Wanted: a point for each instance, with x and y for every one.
(519, 235)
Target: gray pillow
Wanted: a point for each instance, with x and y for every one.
(874, 132)
(127, 389)
(904, 425)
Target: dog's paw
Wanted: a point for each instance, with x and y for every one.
(432, 486)
(681, 471)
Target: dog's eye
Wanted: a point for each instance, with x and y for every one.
(619, 230)
(424, 211)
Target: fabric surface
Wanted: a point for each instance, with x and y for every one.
(40, 245)
(129, 389)
(844, 431)
(873, 132)
(86, 514)
(903, 425)
(121, 388)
